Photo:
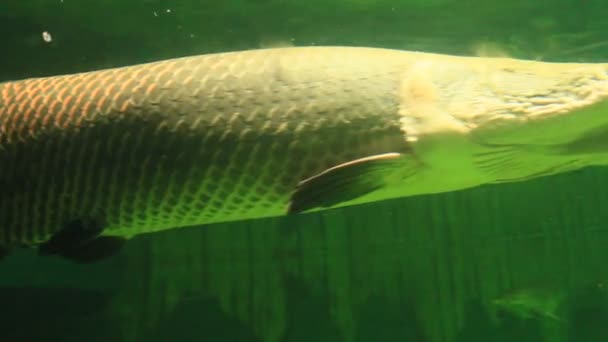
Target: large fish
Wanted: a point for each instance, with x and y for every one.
(87, 160)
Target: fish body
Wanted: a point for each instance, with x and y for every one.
(532, 303)
(243, 135)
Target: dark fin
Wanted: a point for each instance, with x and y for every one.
(4, 252)
(345, 182)
(80, 241)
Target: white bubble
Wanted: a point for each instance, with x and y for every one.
(46, 36)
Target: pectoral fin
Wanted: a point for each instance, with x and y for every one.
(347, 181)
(81, 241)
(508, 163)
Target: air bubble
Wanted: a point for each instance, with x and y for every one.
(46, 36)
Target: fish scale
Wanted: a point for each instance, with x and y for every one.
(188, 141)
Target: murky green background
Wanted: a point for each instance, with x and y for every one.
(517, 262)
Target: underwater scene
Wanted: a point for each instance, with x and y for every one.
(282, 170)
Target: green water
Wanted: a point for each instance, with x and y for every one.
(516, 262)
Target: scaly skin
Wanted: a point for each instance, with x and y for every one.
(229, 136)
